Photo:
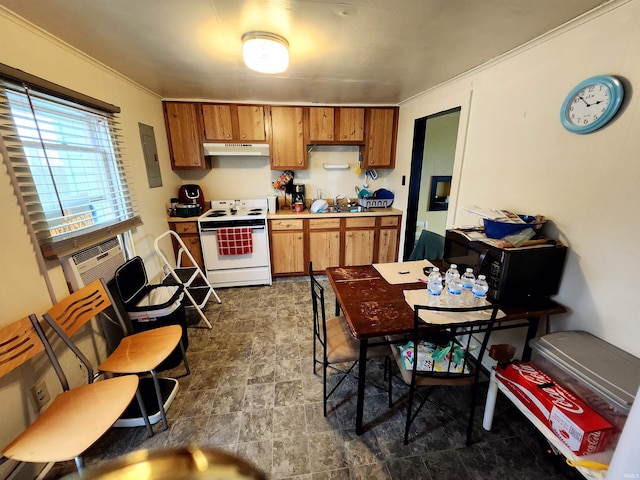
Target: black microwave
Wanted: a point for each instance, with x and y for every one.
(512, 273)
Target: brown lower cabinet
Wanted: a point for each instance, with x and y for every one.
(188, 233)
(324, 242)
(331, 242)
(287, 246)
(359, 241)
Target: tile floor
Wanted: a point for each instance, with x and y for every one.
(252, 392)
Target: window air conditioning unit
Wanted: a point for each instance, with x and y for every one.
(98, 261)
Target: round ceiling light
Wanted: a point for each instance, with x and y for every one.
(265, 52)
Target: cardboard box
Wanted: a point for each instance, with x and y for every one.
(576, 424)
(576, 360)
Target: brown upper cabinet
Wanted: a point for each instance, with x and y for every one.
(332, 125)
(381, 130)
(288, 146)
(287, 129)
(235, 123)
(185, 136)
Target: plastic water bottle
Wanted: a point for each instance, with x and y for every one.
(435, 273)
(434, 287)
(479, 291)
(453, 269)
(454, 291)
(468, 279)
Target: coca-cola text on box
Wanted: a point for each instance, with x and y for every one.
(577, 425)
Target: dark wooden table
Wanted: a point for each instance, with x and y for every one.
(374, 308)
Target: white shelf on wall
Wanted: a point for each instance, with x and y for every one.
(336, 166)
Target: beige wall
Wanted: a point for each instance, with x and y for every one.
(22, 288)
(513, 153)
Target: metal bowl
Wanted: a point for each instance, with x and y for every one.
(188, 463)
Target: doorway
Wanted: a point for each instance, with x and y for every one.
(432, 157)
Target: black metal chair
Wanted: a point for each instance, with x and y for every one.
(452, 343)
(429, 246)
(337, 345)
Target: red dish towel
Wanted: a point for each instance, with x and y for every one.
(235, 241)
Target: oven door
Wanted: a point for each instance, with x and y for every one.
(236, 270)
(214, 261)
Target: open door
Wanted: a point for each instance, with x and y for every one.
(432, 158)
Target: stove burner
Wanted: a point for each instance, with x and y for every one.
(217, 213)
(254, 212)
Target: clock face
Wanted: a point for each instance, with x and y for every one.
(591, 104)
(588, 105)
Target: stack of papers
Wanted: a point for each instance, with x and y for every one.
(403, 272)
(495, 214)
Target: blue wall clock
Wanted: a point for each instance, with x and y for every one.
(591, 104)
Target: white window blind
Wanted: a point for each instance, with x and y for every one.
(67, 164)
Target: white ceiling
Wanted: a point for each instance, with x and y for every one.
(352, 52)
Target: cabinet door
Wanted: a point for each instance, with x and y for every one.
(324, 242)
(251, 125)
(287, 252)
(185, 137)
(351, 124)
(188, 232)
(288, 149)
(388, 247)
(380, 138)
(388, 239)
(358, 247)
(321, 124)
(218, 126)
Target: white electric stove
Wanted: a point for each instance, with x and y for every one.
(236, 270)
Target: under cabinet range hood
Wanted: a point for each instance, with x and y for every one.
(236, 149)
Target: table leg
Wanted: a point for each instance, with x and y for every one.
(490, 404)
(532, 331)
(362, 375)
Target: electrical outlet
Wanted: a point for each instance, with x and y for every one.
(39, 395)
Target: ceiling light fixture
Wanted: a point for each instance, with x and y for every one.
(265, 52)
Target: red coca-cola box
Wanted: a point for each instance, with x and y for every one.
(577, 425)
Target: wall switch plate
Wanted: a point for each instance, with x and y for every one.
(39, 395)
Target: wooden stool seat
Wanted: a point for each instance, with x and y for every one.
(143, 352)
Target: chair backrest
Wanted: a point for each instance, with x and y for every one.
(74, 311)
(317, 302)
(429, 246)
(19, 342)
(449, 338)
(22, 340)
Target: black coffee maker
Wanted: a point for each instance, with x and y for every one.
(298, 195)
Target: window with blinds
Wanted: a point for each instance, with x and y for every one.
(66, 164)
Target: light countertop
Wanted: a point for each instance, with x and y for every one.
(374, 212)
(288, 213)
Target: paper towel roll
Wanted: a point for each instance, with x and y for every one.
(272, 204)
